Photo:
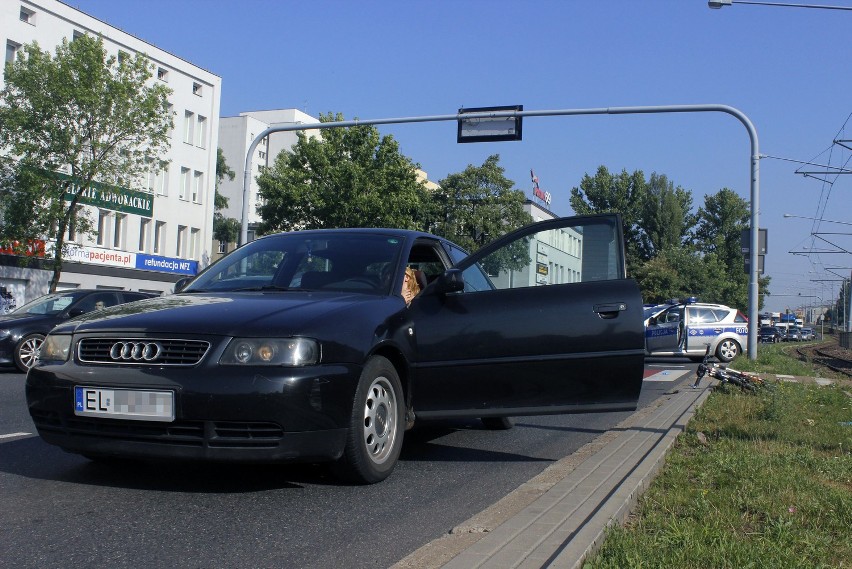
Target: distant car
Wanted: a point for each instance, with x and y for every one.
(769, 334)
(688, 328)
(808, 334)
(794, 334)
(300, 347)
(22, 331)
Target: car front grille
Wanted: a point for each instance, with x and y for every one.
(142, 351)
(218, 434)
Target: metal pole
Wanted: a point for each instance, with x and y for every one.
(754, 157)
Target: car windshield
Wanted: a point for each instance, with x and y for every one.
(50, 304)
(334, 261)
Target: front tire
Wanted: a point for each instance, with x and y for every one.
(26, 353)
(727, 350)
(376, 427)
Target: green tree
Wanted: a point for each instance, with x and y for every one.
(720, 222)
(623, 193)
(351, 177)
(225, 229)
(477, 205)
(665, 218)
(84, 113)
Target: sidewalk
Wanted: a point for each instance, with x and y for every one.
(567, 521)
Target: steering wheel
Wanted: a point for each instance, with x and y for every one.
(362, 280)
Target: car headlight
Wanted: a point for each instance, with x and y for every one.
(55, 348)
(271, 351)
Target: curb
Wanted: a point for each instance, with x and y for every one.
(569, 521)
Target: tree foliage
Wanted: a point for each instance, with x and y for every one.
(225, 229)
(672, 252)
(84, 113)
(351, 177)
(477, 205)
(665, 219)
(622, 193)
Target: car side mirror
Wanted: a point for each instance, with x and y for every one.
(450, 281)
(652, 321)
(76, 311)
(181, 283)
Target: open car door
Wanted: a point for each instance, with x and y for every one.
(542, 321)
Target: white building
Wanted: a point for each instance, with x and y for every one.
(235, 136)
(558, 255)
(134, 249)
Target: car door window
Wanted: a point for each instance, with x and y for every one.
(584, 251)
(98, 301)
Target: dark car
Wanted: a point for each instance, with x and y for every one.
(769, 334)
(299, 346)
(22, 331)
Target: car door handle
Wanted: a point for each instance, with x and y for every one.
(608, 311)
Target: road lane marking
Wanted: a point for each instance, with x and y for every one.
(667, 375)
(12, 435)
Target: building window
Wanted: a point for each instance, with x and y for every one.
(171, 113)
(123, 56)
(180, 250)
(144, 231)
(76, 34)
(223, 247)
(184, 183)
(102, 227)
(163, 74)
(197, 187)
(118, 231)
(196, 89)
(162, 182)
(194, 242)
(188, 126)
(201, 140)
(27, 16)
(151, 177)
(12, 51)
(159, 236)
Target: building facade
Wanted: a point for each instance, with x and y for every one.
(143, 248)
(235, 136)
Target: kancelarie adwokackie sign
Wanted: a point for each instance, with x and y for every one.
(114, 198)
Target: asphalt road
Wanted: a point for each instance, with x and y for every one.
(59, 509)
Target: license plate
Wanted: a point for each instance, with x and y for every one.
(124, 404)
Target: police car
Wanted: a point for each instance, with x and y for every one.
(686, 329)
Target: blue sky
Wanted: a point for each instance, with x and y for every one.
(786, 68)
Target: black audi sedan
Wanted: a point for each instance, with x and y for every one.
(23, 330)
(300, 347)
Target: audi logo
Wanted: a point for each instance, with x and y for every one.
(136, 351)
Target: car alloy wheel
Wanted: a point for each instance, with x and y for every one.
(727, 350)
(377, 425)
(26, 354)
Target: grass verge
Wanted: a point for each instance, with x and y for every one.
(759, 480)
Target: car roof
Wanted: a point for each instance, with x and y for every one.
(405, 233)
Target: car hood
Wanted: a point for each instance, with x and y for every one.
(8, 320)
(228, 314)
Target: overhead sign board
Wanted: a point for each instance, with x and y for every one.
(745, 241)
(489, 129)
(760, 261)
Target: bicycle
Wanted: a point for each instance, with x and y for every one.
(744, 380)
